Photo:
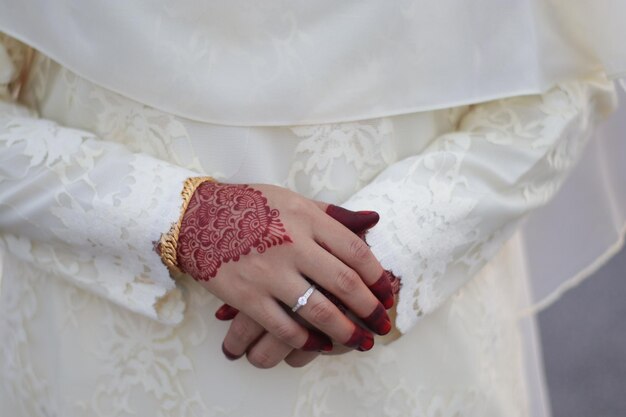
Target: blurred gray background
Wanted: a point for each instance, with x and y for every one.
(584, 345)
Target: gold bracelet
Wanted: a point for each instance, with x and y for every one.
(169, 241)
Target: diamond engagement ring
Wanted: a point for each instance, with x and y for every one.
(303, 298)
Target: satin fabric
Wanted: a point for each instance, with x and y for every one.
(283, 63)
(357, 94)
(73, 347)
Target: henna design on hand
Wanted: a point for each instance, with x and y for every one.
(386, 288)
(222, 223)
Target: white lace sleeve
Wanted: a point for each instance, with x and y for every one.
(446, 212)
(86, 209)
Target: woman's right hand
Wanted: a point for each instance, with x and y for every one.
(253, 245)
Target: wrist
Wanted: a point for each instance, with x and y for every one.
(167, 247)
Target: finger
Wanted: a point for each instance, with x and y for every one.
(321, 205)
(268, 352)
(339, 350)
(359, 222)
(356, 221)
(383, 289)
(299, 358)
(226, 312)
(377, 321)
(355, 253)
(276, 321)
(243, 331)
(344, 283)
(324, 315)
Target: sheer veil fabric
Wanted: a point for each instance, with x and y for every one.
(276, 63)
(585, 224)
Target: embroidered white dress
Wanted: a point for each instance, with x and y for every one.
(92, 325)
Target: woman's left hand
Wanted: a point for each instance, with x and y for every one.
(263, 350)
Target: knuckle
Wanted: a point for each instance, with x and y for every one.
(261, 359)
(265, 314)
(241, 330)
(299, 206)
(288, 333)
(348, 280)
(297, 363)
(257, 267)
(293, 363)
(359, 250)
(322, 312)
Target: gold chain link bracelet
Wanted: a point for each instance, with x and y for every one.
(169, 241)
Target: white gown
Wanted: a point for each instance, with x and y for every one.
(92, 325)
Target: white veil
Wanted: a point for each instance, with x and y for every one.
(281, 62)
(585, 223)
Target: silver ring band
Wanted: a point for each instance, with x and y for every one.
(302, 300)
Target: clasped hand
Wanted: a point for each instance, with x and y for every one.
(259, 247)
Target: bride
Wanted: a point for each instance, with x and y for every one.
(236, 209)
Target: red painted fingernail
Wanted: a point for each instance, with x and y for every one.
(327, 347)
(230, 356)
(360, 338)
(382, 290)
(367, 344)
(356, 221)
(317, 342)
(378, 321)
(226, 312)
(385, 328)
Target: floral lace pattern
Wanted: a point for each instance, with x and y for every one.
(97, 235)
(444, 213)
(375, 384)
(20, 378)
(364, 148)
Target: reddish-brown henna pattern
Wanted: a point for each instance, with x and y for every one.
(385, 288)
(222, 223)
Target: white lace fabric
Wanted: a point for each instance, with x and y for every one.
(446, 212)
(87, 209)
(446, 207)
(85, 190)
